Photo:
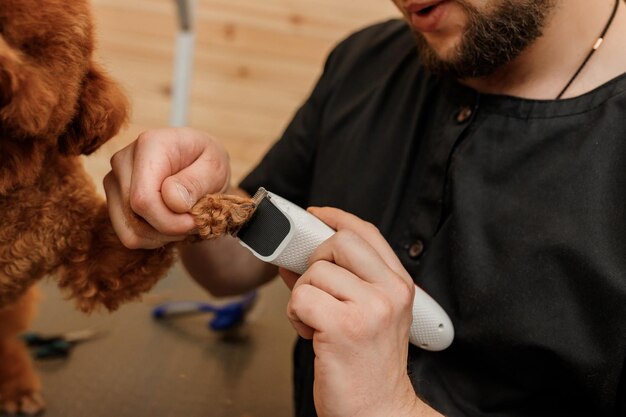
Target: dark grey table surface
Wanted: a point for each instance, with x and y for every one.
(140, 367)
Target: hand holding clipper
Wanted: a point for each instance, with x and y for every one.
(285, 235)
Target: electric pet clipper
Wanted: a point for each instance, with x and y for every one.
(285, 235)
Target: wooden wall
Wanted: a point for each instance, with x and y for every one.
(255, 62)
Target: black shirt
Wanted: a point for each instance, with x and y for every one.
(511, 213)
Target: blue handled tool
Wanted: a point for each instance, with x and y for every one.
(226, 316)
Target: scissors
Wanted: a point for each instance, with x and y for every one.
(56, 345)
(226, 316)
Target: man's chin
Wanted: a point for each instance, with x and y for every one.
(435, 58)
(452, 61)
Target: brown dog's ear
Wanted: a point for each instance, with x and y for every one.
(101, 112)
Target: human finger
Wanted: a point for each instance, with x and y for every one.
(341, 220)
(132, 231)
(128, 227)
(310, 310)
(158, 155)
(350, 251)
(336, 281)
(203, 167)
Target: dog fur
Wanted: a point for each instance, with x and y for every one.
(56, 104)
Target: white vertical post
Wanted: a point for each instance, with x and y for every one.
(183, 63)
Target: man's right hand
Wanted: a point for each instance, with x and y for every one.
(155, 180)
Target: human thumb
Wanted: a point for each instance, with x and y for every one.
(204, 176)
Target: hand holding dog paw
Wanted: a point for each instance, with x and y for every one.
(156, 180)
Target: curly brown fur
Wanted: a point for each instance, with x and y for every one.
(218, 215)
(61, 224)
(56, 104)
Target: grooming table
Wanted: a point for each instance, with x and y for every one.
(141, 367)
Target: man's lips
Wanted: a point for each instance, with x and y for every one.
(421, 6)
(425, 16)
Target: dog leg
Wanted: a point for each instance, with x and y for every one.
(19, 384)
(109, 273)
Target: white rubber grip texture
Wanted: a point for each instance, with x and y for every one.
(431, 328)
(309, 233)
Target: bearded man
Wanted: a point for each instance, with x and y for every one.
(486, 141)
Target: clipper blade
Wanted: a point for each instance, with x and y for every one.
(267, 228)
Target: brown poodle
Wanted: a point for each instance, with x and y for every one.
(55, 104)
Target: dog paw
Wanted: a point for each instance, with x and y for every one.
(25, 404)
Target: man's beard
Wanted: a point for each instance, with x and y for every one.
(490, 40)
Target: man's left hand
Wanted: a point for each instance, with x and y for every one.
(355, 303)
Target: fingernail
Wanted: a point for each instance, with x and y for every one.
(184, 193)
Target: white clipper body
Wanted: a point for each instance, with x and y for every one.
(286, 235)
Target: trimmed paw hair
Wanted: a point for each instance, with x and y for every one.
(218, 215)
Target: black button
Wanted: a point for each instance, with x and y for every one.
(464, 114)
(416, 249)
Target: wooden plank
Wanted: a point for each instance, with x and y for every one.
(255, 62)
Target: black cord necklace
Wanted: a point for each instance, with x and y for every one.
(594, 49)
